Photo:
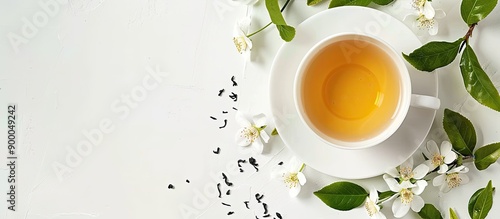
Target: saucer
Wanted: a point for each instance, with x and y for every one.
(315, 153)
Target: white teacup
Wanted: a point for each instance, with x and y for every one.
(354, 91)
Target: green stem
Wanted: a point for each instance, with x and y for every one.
(467, 36)
(302, 167)
(269, 24)
(261, 29)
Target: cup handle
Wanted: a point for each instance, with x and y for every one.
(423, 101)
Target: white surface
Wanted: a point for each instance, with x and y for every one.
(146, 75)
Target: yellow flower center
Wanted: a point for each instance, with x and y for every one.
(406, 196)
(250, 133)
(291, 180)
(417, 4)
(423, 22)
(406, 173)
(453, 180)
(370, 207)
(240, 43)
(437, 160)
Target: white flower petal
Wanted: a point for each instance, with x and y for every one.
(399, 208)
(379, 215)
(257, 146)
(443, 169)
(449, 157)
(242, 120)
(445, 188)
(429, 164)
(278, 172)
(393, 172)
(244, 24)
(294, 191)
(294, 164)
(420, 187)
(392, 183)
(420, 171)
(428, 10)
(247, 52)
(440, 14)
(465, 178)
(240, 138)
(432, 149)
(457, 169)
(439, 180)
(434, 29)
(445, 147)
(260, 120)
(406, 184)
(464, 170)
(373, 195)
(417, 204)
(410, 17)
(265, 137)
(302, 178)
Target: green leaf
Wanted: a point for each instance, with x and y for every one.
(433, 55)
(287, 33)
(474, 11)
(313, 2)
(337, 3)
(274, 12)
(477, 82)
(382, 196)
(472, 201)
(483, 204)
(460, 131)
(382, 2)
(430, 212)
(487, 155)
(453, 215)
(275, 132)
(342, 196)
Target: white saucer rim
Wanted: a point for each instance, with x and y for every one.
(355, 176)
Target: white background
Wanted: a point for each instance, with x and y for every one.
(77, 68)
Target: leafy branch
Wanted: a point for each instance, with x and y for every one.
(434, 55)
(346, 196)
